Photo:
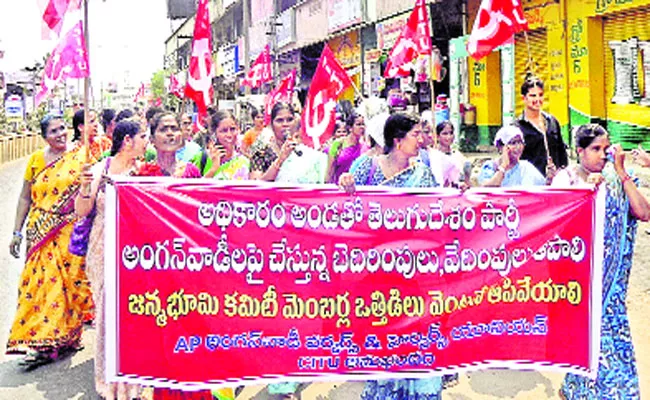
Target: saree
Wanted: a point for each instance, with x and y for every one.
(617, 376)
(343, 158)
(53, 293)
(368, 172)
(237, 168)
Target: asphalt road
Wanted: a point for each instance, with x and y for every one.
(72, 378)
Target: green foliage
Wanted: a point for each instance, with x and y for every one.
(469, 139)
(34, 122)
(158, 84)
(3, 121)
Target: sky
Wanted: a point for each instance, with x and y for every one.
(126, 37)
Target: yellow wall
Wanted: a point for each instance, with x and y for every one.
(586, 58)
(551, 16)
(538, 13)
(485, 89)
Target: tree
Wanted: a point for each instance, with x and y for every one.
(158, 89)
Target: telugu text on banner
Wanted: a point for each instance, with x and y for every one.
(254, 283)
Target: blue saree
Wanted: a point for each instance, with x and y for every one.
(617, 375)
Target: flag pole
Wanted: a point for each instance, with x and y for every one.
(184, 99)
(531, 64)
(356, 89)
(85, 137)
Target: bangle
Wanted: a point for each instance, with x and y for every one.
(18, 234)
(501, 169)
(625, 179)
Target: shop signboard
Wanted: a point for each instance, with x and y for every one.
(389, 30)
(286, 32)
(347, 49)
(343, 14)
(229, 58)
(14, 108)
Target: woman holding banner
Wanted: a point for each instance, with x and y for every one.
(54, 296)
(403, 138)
(129, 143)
(509, 169)
(617, 375)
(220, 160)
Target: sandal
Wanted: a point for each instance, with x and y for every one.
(34, 359)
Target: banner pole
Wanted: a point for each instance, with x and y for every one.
(433, 112)
(531, 65)
(85, 140)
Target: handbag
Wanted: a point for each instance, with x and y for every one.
(81, 234)
(81, 230)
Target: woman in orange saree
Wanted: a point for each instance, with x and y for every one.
(53, 294)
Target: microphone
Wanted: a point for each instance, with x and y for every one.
(287, 134)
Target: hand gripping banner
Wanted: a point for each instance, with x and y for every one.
(212, 285)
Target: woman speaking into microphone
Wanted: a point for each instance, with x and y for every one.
(278, 154)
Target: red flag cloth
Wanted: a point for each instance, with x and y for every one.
(69, 59)
(175, 86)
(199, 80)
(260, 72)
(283, 92)
(319, 114)
(415, 39)
(496, 22)
(54, 12)
(139, 94)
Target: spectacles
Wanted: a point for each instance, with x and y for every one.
(518, 142)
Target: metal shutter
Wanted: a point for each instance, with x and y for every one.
(538, 50)
(628, 124)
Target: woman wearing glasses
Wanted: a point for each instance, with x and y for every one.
(509, 169)
(617, 375)
(220, 160)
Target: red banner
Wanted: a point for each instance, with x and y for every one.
(225, 285)
(319, 114)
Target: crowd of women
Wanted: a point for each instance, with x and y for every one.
(64, 184)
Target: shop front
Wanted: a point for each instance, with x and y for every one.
(541, 53)
(227, 69)
(347, 50)
(615, 92)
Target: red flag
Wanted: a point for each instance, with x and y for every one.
(496, 23)
(69, 59)
(283, 92)
(53, 15)
(175, 86)
(199, 80)
(260, 72)
(139, 94)
(319, 114)
(414, 40)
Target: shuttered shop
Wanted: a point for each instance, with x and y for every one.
(538, 51)
(628, 115)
